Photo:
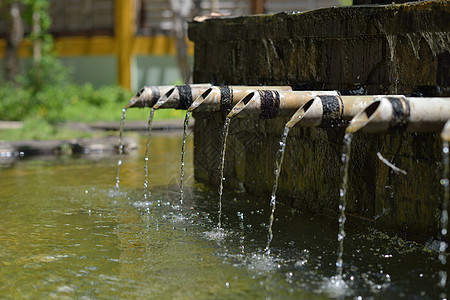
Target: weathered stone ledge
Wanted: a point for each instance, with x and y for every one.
(386, 49)
(349, 21)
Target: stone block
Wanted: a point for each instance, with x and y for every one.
(381, 49)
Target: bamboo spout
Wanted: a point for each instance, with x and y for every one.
(223, 98)
(181, 96)
(398, 114)
(272, 103)
(445, 134)
(330, 110)
(148, 96)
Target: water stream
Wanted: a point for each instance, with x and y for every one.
(183, 150)
(277, 170)
(226, 127)
(337, 284)
(119, 161)
(444, 222)
(147, 148)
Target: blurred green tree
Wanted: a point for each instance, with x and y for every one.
(14, 38)
(39, 89)
(46, 70)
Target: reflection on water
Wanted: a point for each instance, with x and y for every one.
(67, 233)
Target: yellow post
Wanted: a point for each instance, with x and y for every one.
(124, 31)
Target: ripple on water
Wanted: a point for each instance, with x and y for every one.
(115, 192)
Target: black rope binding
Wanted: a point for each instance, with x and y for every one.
(333, 110)
(226, 98)
(270, 104)
(156, 94)
(402, 113)
(185, 93)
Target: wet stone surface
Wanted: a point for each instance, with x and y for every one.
(381, 49)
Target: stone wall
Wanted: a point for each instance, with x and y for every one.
(394, 49)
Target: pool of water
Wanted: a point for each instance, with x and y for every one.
(66, 232)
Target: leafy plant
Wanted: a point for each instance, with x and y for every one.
(46, 70)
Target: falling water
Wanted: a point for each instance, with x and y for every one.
(444, 221)
(149, 135)
(119, 162)
(277, 169)
(346, 150)
(183, 148)
(337, 285)
(242, 227)
(221, 166)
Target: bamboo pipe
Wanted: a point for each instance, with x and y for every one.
(325, 110)
(271, 103)
(148, 96)
(445, 134)
(398, 114)
(181, 96)
(223, 98)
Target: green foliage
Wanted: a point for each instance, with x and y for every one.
(50, 72)
(88, 104)
(19, 103)
(104, 94)
(15, 103)
(45, 97)
(346, 2)
(43, 112)
(59, 103)
(35, 128)
(46, 70)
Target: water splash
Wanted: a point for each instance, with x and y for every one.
(262, 263)
(149, 135)
(277, 170)
(226, 127)
(183, 149)
(335, 287)
(444, 221)
(216, 234)
(346, 151)
(119, 162)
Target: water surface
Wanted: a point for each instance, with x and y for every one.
(67, 232)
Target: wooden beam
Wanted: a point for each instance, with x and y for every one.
(124, 31)
(258, 6)
(105, 45)
(83, 46)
